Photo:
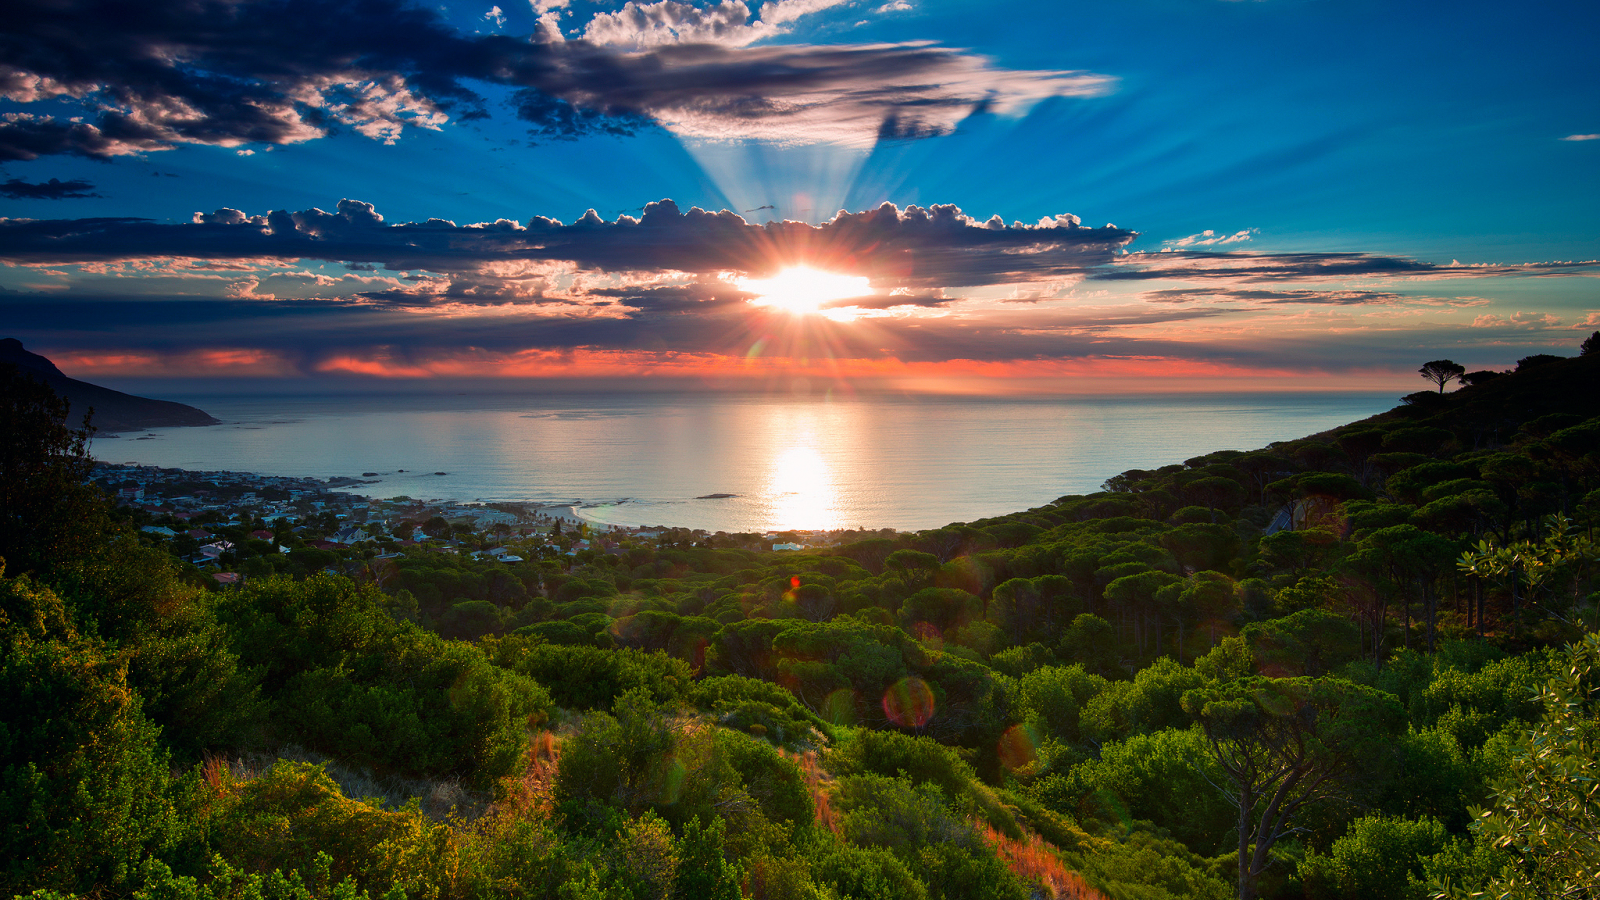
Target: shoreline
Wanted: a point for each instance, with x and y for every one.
(246, 488)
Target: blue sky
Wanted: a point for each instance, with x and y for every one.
(1403, 182)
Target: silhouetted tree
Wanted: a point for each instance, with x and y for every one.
(1591, 344)
(47, 513)
(1538, 359)
(1442, 372)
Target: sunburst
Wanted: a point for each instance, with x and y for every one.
(802, 290)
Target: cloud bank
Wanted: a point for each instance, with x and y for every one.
(150, 77)
(347, 291)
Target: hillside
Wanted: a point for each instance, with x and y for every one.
(114, 411)
(1296, 673)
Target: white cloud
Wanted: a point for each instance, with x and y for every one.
(548, 28)
(496, 16)
(1582, 137)
(728, 22)
(1209, 238)
(896, 6)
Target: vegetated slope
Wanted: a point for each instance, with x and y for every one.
(1057, 702)
(114, 411)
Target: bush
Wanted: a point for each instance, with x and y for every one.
(592, 678)
(83, 786)
(1380, 858)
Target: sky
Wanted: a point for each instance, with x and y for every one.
(947, 196)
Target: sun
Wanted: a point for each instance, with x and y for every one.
(802, 289)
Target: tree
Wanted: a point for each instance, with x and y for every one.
(1591, 344)
(1442, 372)
(1547, 807)
(48, 515)
(1285, 743)
(1531, 570)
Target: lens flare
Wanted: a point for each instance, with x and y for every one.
(839, 707)
(802, 289)
(909, 703)
(1018, 747)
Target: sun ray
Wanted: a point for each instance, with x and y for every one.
(803, 290)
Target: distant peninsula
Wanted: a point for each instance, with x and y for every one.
(114, 411)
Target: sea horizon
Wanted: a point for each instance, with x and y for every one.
(729, 462)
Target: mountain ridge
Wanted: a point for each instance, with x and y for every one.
(114, 411)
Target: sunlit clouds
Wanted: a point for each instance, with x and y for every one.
(802, 289)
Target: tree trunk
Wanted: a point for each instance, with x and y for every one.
(1247, 884)
(1430, 604)
(1405, 633)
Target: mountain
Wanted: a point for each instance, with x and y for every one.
(114, 411)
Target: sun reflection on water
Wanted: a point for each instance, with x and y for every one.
(803, 490)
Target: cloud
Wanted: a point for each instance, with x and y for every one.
(1327, 298)
(1209, 238)
(1246, 268)
(54, 189)
(1582, 137)
(317, 290)
(843, 94)
(235, 72)
(939, 246)
(1520, 321)
(728, 22)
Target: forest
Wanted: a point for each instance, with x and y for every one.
(1361, 664)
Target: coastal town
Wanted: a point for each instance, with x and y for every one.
(237, 525)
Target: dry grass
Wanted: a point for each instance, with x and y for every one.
(1035, 863)
(529, 793)
(817, 782)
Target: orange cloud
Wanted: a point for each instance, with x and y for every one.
(222, 362)
(1085, 375)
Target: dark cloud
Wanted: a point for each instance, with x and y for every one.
(54, 189)
(230, 72)
(308, 332)
(687, 299)
(913, 247)
(1321, 298)
(1271, 267)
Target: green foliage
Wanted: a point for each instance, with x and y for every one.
(1546, 809)
(922, 761)
(342, 677)
(722, 711)
(1167, 777)
(759, 708)
(1310, 642)
(1150, 702)
(1285, 743)
(1091, 642)
(587, 677)
(1380, 858)
(864, 873)
(642, 760)
(704, 871)
(1052, 699)
(84, 791)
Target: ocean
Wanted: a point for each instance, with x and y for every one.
(730, 463)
